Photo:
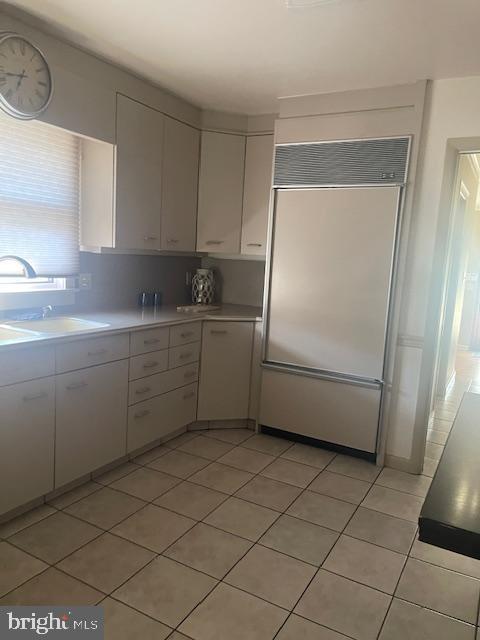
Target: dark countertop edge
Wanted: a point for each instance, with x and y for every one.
(449, 537)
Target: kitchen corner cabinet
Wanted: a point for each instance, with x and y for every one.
(220, 192)
(225, 370)
(139, 155)
(91, 419)
(181, 155)
(27, 423)
(256, 194)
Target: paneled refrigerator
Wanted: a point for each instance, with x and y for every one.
(331, 265)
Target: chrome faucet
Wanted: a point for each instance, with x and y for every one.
(28, 270)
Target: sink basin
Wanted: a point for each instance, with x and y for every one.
(12, 334)
(61, 324)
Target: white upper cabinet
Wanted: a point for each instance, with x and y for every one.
(220, 194)
(138, 175)
(180, 185)
(256, 194)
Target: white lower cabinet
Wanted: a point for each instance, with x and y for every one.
(91, 419)
(159, 416)
(27, 425)
(225, 370)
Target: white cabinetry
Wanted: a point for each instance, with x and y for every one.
(91, 419)
(256, 194)
(220, 193)
(138, 175)
(179, 186)
(27, 425)
(225, 370)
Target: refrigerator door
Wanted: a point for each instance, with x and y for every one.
(330, 276)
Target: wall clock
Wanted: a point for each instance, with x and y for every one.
(25, 78)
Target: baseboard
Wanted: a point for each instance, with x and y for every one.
(401, 464)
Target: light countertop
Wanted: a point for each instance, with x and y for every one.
(118, 320)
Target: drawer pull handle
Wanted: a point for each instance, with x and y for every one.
(35, 396)
(189, 374)
(182, 356)
(142, 414)
(76, 385)
(186, 334)
(172, 240)
(189, 395)
(143, 390)
(150, 365)
(99, 352)
(254, 244)
(214, 242)
(151, 341)
(218, 332)
(147, 238)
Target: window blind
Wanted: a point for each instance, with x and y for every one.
(39, 197)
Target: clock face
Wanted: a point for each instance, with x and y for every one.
(25, 80)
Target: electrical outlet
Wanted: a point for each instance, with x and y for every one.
(85, 281)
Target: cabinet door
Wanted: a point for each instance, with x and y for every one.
(225, 370)
(220, 192)
(138, 175)
(27, 425)
(181, 151)
(256, 194)
(91, 419)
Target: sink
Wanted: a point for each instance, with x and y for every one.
(12, 334)
(61, 324)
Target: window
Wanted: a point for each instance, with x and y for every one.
(39, 201)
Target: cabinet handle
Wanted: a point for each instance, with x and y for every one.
(214, 242)
(189, 395)
(254, 244)
(189, 374)
(142, 414)
(35, 396)
(143, 390)
(218, 332)
(147, 238)
(186, 334)
(151, 341)
(99, 352)
(150, 365)
(76, 385)
(182, 356)
(172, 240)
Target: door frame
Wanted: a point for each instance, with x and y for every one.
(453, 149)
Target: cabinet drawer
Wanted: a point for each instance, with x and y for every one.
(86, 353)
(149, 340)
(162, 383)
(185, 333)
(148, 364)
(156, 418)
(17, 365)
(178, 356)
(27, 419)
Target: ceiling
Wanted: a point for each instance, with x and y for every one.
(241, 55)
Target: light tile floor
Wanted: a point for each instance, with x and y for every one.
(226, 535)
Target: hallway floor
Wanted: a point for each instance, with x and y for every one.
(467, 367)
(227, 535)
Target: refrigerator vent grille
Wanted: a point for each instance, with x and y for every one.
(349, 162)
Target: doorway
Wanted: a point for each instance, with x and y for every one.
(457, 365)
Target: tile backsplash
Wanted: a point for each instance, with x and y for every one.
(237, 281)
(117, 279)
